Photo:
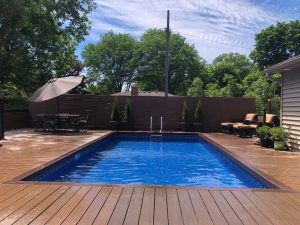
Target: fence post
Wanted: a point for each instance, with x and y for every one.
(264, 116)
(269, 106)
(1, 121)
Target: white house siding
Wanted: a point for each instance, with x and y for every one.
(291, 106)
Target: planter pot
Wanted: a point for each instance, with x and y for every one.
(184, 126)
(267, 143)
(279, 145)
(114, 125)
(126, 125)
(197, 127)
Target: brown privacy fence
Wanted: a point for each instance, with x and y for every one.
(16, 119)
(215, 110)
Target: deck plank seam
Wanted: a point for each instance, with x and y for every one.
(62, 194)
(89, 204)
(112, 212)
(101, 206)
(15, 200)
(218, 207)
(76, 205)
(140, 211)
(259, 208)
(242, 206)
(192, 206)
(32, 202)
(61, 206)
(228, 203)
(128, 206)
(264, 216)
(181, 213)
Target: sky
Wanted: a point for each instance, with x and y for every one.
(212, 26)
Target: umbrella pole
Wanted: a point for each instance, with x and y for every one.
(57, 115)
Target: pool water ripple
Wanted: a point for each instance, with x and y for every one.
(174, 162)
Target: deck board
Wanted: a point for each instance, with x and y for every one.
(93, 210)
(160, 207)
(188, 214)
(174, 211)
(62, 214)
(119, 213)
(252, 210)
(16, 215)
(266, 209)
(43, 205)
(10, 207)
(200, 209)
(46, 215)
(212, 208)
(225, 208)
(147, 211)
(46, 203)
(134, 208)
(109, 206)
(238, 208)
(82, 206)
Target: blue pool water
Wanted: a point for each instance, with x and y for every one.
(177, 160)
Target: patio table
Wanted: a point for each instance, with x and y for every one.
(61, 121)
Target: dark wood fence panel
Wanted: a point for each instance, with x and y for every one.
(16, 119)
(215, 110)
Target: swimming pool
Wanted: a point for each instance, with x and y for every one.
(138, 158)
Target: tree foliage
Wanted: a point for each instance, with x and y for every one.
(185, 63)
(38, 39)
(111, 59)
(276, 44)
(196, 88)
(226, 74)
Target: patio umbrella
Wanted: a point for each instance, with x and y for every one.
(55, 87)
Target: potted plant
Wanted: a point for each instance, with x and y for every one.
(265, 136)
(127, 117)
(115, 115)
(198, 117)
(279, 136)
(184, 117)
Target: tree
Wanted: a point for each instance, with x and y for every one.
(257, 86)
(185, 64)
(276, 44)
(113, 59)
(196, 89)
(226, 74)
(38, 39)
(100, 88)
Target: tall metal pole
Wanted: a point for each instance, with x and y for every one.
(167, 55)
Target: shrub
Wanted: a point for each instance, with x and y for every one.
(278, 134)
(115, 113)
(198, 113)
(264, 132)
(127, 111)
(184, 114)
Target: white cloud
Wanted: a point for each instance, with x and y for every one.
(213, 26)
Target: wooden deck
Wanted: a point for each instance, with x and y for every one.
(88, 204)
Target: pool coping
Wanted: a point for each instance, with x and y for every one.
(258, 174)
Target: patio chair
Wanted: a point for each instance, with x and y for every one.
(272, 120)
(250, 118)
(38, 123)
(80, 123)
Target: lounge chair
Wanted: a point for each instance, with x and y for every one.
(243, 130)
(272, 120)
(250, 118)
